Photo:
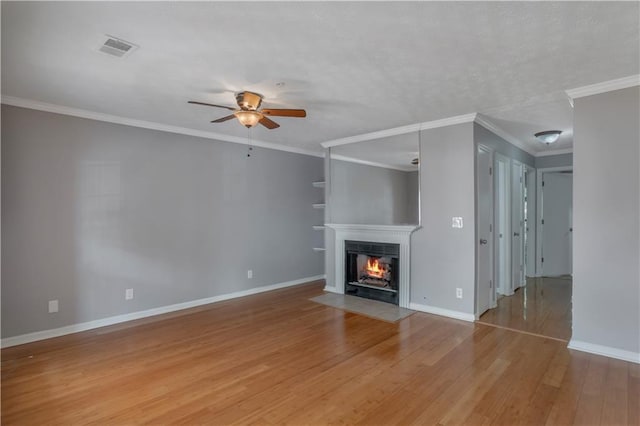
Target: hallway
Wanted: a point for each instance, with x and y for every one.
(542, 307)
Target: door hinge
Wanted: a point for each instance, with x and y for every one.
(543, 221)
(490, 171)
(542, 260)
(542, 183)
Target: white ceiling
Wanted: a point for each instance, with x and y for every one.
(356, 67)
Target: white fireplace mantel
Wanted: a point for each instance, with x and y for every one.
(395, 234)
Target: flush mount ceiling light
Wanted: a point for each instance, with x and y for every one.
(548, 136)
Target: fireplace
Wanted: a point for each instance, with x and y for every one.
(371, 270)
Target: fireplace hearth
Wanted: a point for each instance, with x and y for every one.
(371, 270)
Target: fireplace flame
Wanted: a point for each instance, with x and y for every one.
(374, 268)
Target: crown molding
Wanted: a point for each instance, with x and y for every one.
(603, 87)
(371, 163)
(484, 122)
(467, 118)
(554, 152)
(98, 116)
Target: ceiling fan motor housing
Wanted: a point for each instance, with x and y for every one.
(248, 100)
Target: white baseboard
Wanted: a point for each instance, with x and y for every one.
(75, 328)
(331, 289)
(607, 351)
(442, 312)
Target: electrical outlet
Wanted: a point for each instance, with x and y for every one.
(459, 293)
(249, 273)
(128, 294)
(53, 306)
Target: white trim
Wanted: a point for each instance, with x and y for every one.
(373, 163)
(442, 312)
(607, 351)
(554, 152)
(492, 127)
(331, 289)
(459, 119)
(374, 228)
(76, 112)
(603, 87)
(103, 322)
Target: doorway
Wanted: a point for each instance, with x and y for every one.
(485, 292)
(530, 222)
(502, 208)
(555, 227)
(517, 225)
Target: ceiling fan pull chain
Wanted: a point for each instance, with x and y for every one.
(250, 147)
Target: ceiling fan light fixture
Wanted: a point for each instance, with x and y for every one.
(548, 136)
(248, 118)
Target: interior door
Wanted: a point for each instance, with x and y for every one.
(557, 205)
(530, 223)
(517, 225)
(485, 294)
(502, 218)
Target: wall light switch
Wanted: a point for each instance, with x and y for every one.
(456, 222)
(249, 273)
(128, 294)
(53, 306)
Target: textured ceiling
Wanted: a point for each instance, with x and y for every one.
(355, 67)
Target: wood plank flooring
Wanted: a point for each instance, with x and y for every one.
(541, 307)
(278, 358)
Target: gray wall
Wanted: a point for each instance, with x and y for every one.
(486, 137)
(560, 160)
(372, 195)
(442, 257)
(92, 208)
(606, 215)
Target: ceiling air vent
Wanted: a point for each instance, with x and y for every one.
(117, 47)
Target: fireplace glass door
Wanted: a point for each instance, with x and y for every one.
(372, 270)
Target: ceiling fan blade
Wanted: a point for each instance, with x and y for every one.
(212, 105)
(268, 123)
(220, 120)
(284, 112)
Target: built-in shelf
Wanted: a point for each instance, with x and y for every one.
(320, 185)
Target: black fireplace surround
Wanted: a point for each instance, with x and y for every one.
(371, 270)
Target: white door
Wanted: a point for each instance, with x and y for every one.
(517, 225)
(485, 294)
(557, 205)
(502, 219)
(530, 223)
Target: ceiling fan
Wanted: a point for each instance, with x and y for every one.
(249, 115)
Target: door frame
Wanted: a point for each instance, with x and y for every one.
(492, 288)
(531, 222)
(517, 223)
(539, 218)
(506, 286)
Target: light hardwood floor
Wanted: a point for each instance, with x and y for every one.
(278, 358)
(542, 307)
